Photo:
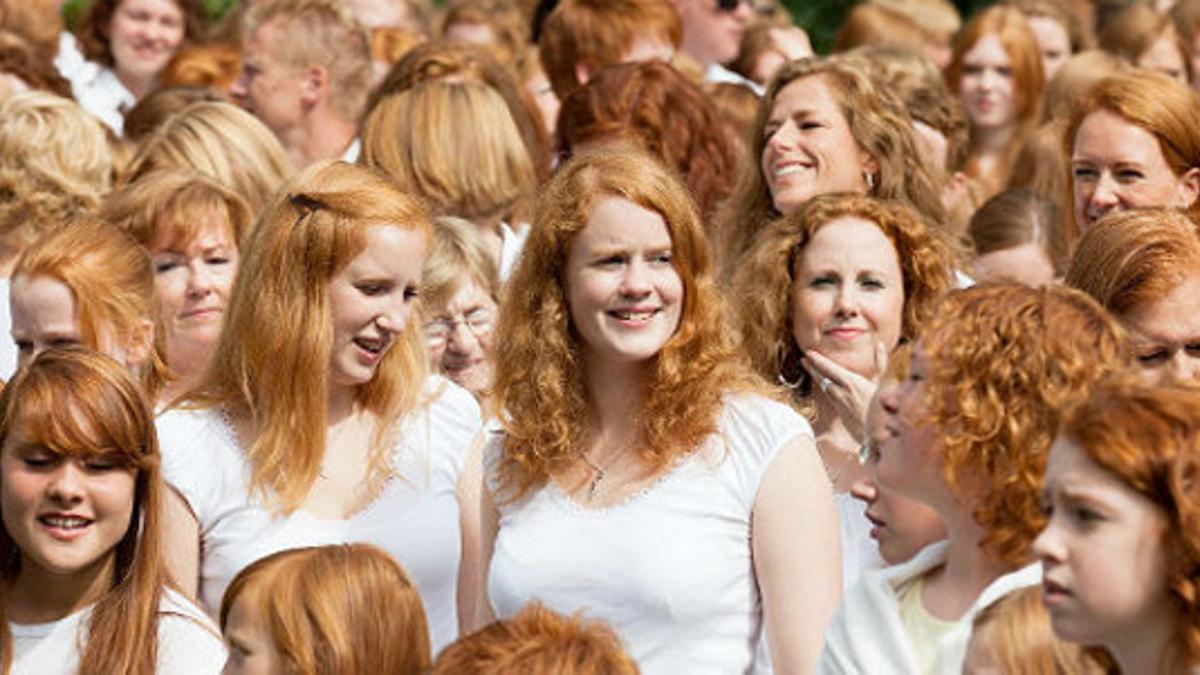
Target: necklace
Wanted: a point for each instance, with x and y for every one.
(595, 479)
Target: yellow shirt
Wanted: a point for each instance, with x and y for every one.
(924, 630)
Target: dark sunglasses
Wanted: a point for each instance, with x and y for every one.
(730, 6)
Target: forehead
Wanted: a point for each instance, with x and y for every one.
(615, 221)
(203, 230)
(988, 49)
(1104, 134)
(1048, 30)
(811, 93)
(43, 301)
(166, 7)
(1173, 318)
(390, 250)
(849, 241)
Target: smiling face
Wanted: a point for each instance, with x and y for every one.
(1053, 42)
(192, 281)
(371, 302)
(1166, 335)
(1102, 553)
(65, 513)
(809, 147)
(624, 293)
(1117, 165)
(143, 35)
(460, 338)
(987, 88)
(848, 294)
(251, 649)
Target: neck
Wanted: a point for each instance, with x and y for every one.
(993, 140)
(323, 136)
(615, 394)
(187, 364)
(838, 448)
(38, 596)
(138, 86)
(340, 406)
(1141, 651)
(968, 570)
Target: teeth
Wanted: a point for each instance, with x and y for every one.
(789, 169)
(633, 316)
(373, 347)
(65, 522)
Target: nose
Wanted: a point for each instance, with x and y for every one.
(846, 301)
(1184, 367)
(1104, 197)
(461, 339)
(888, 399)
(784, 137)
(1046, 547)
(238, 89)
(988, 79)
(66, 485)
(200, 279)
(635, 280)
(394, 317)
(864, 489)
(744, 11)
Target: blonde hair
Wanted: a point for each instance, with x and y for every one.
(321, 33)
(453, 143)
(112, 279)
(540, 382)
(459, 256)
(55, 163)
(1019, 638)
(223, 142)
(336, 610)
(278, 320)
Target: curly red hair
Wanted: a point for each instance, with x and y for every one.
(540, 382)
(1149, 439)
(1004, 360)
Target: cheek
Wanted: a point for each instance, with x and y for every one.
(809, 311)
(170, 289)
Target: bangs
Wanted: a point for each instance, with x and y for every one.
(180, 224)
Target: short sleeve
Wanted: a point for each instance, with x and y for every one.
(199, 459)
(188, 642)
(755, 428)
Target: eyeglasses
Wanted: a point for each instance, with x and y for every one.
(730, 6)
(478, 321)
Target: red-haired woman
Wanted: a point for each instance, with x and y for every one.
(82, 584)
(972, 424)
(637, 447)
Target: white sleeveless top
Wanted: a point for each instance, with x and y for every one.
(188, 642)
(415, 517)
(669, 569)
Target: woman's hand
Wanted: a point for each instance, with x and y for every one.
(849, 392)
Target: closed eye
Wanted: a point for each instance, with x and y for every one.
(1153, 357)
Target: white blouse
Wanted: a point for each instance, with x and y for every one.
(415, 517)
(670, 568)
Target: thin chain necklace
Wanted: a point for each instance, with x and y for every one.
(595, 484)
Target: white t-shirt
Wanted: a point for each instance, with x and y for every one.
(99, 92)
(860, 553)
(188, 642)
(415, 517)
(669, 569)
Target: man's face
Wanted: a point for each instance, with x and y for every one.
(268, 87)
(711, 34)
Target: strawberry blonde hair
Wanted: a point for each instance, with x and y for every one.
(278, 321)
(540, 382)
(336, 610)
(106, 413)
(1019, 638)
(537, 640)
(1003, 360)
(1149, 439)
(112, 280)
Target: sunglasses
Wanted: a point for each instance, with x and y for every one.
(730, 6)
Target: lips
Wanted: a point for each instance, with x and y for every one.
(202, 312)
(64, 526)
(1053, 592)
(790, 168)
(370, 349)
(845, 333)
(877, 522)
(633, 315)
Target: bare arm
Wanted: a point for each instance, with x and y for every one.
(470, 487)
(181, 544)
(797, 556)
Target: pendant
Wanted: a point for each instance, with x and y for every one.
(595, 483)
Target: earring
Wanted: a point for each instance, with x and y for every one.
(871, 180)
(791, 364)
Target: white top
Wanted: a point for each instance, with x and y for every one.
(670, 568)
(722, 75)
(415, 517)
(512, 242)
(8, 348)
(69, 60)
(867, 636)
(860, 553)
(188, 642)
(99, 92)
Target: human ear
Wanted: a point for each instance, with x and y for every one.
(314, 85)
(1188, 190)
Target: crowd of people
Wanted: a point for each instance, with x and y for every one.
(599, 337)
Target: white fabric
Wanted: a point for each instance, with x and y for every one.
(512, 242)
(670, 568)
(350, 156)
(188, 642)
(8, 348)
(867, 637)
(99, 92)
(720, 74)
(415, 518)
(860, 553)
(69, 60)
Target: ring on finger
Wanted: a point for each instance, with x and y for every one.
(825, 384)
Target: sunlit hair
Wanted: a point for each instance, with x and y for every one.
(737, 104)
(876, 25)
(596, 33)
(458, 257)
(452, 143)
(389, 45)
(278, 321)
(1009, 25)
(167, 208)
(1002, 361)
(1132, 259)
(1019, 638)
(336, 610)
(1162, 106)
(1136, 29)
(1074, 80)
(651, 105)
(764, 277)
(20, 58)
(320, 33)
(462, 62)
(510, 30)
(540, 379)
(112, 280)
(214, 66)
(40, 22)
(222, 141)
(757, 42)
(78, 403)
(96, 23)
(537, 640)
(1186, 15)
(1018, 217)
(1079, 35)
(54, 165)
(155, 108)
(877, 120)
(939, 17)
(1149, 439)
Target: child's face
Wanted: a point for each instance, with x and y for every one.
(902, 526)
(65, 513)
(251, 649)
